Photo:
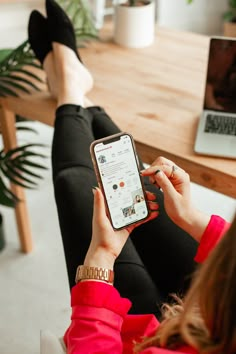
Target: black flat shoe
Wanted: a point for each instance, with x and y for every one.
(60, 27)
(38, 35)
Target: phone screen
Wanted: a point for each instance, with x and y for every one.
(118, 174)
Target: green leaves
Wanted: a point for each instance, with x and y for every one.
(81, 17)
(137, 2)
(232, 3)
(13, 76)
(15, 73)
(230, 15)
(4, 53)
(132, 2)
(19, 167)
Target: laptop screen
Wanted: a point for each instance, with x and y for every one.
(220, 90)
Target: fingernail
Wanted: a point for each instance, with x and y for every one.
(157, 171)
(94, 189)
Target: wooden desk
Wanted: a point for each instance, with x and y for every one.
(154, 93)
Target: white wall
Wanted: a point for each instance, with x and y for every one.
(202, 16)
(14, 17)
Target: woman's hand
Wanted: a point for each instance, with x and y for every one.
(175, 184)
(106, 243)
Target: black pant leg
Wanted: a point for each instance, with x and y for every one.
(72, 138)
(74, 177)
(166, 250)
(75, 129)
(103, 125)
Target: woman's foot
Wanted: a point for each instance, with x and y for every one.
(38, 35)
(61, 29)
(68, 79)
(42, 47)
(74, 79)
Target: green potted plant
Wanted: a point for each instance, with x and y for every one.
(15, 73)
(19, 166)
(134, 23)
(230, 19)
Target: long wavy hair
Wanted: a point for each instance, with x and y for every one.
(206, 318)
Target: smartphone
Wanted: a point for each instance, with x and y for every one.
(117, 170)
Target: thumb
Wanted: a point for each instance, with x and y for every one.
(165, 184)
(99, 210)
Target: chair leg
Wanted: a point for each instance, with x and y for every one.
(7, 119)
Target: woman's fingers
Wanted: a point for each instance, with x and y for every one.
(163, 164)
(99, 209)
(175, 174)
(162, 161)
(165, 184)
(153, 205)
(171, 171)
(150, 195)
(152, 215)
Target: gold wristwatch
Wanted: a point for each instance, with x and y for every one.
(85, 272)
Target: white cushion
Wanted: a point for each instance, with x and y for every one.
(50, 344)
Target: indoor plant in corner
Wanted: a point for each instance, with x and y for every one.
(134, 23)
(20, 165)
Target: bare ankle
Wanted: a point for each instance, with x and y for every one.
(49, 67)
(71, 73)
(70, 95)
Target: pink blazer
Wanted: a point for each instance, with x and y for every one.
(100, 323)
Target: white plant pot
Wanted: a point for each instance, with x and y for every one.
(134, 26)
(202, 16)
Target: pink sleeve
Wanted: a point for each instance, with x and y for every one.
(98, 312)
(213, 233)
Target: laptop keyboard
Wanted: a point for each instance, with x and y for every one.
(220, 124)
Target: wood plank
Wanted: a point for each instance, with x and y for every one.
(156, 94)
(7, 119)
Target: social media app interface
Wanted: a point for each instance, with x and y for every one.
(121, 181)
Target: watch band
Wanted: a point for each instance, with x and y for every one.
(85, 272)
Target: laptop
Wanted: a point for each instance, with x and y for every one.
(216, 133)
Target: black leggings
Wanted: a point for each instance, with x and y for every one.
(156, 260)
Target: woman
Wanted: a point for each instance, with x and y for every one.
(102, 321)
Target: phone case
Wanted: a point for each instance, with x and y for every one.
(139, 203)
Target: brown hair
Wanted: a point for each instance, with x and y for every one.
(206, 318)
